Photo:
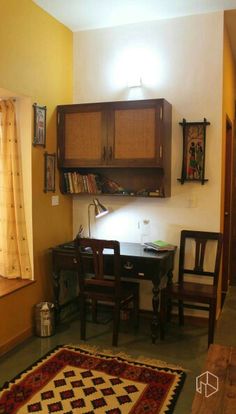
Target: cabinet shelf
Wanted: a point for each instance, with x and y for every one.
(114, 194)
(113, 181)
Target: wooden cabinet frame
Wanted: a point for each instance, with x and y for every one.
(118, 137)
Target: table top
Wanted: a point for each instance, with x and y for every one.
(126, 249)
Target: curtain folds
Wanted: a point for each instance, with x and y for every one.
(14, 253)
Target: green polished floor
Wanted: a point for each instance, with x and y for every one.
(185, 346)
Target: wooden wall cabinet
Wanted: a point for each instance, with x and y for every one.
(127, 141)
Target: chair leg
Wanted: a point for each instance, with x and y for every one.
(82, 317)
(211, 323)
(94, 310)
(181, 312)
(136, 308)
(116, 324)
(168, 307)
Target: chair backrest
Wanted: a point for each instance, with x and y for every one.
(201, 241)
(91, 272)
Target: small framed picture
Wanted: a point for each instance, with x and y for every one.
(39, 125)
(194, 149)
(49, 172)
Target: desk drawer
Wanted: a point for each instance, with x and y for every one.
(131, 267)
(138, 268)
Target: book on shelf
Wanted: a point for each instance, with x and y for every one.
(76, 183)
(160, 246)
(71, 187)
(67, 184)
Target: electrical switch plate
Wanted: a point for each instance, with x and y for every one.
(55, 200)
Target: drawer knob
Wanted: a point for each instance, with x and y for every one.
(141, 274)
(128, 266)
(74, 260)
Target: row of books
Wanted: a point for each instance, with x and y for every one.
(76, 183)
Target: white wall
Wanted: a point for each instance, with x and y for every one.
(184, 58)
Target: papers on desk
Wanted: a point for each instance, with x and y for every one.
(159, 246)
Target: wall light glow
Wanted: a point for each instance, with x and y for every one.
(135, 66)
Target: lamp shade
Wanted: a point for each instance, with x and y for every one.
(100, 210)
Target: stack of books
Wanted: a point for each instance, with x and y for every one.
(160, 246)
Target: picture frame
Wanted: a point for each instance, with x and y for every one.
(39, 125)
(49, 172)
(194, 151)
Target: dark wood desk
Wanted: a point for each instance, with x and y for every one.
(136, 263)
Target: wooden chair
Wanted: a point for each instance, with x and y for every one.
(99, 284)
(196, 284)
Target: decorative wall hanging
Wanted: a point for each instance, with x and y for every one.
(39, 125)
(194, 149)
(49, 172)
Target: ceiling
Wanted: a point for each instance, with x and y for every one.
(93, 14)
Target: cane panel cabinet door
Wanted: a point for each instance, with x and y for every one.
(138, 132)
(82, 135)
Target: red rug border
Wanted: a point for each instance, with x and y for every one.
(172, 403)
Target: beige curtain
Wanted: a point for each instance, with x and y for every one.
(14, 253)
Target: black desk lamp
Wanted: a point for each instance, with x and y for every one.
(99, 211)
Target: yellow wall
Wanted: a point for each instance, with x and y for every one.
(229, 84)
(228, 80)
(227, 112)
(36, 61)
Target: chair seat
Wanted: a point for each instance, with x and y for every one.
(106, 293)
(194, 291)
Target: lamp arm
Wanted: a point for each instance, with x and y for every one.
(89, 219)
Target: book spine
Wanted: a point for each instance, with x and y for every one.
(85, 185)
(66, 181)
(70, 182)
(74, 180)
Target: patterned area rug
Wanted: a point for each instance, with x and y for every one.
(76, 380)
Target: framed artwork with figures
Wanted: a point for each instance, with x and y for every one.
(39, 125)
(194, 150)
(49, 172)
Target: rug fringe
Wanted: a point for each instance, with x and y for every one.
(160, 363)
(93, 349)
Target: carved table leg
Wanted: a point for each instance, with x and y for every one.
(169, 302)
(155, 319)
(57, 288)
(163, 306)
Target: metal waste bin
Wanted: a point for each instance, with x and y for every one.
(45, 319)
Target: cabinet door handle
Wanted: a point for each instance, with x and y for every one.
(128, 266)
(161, 151)
(110, 153)
(104, 153)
